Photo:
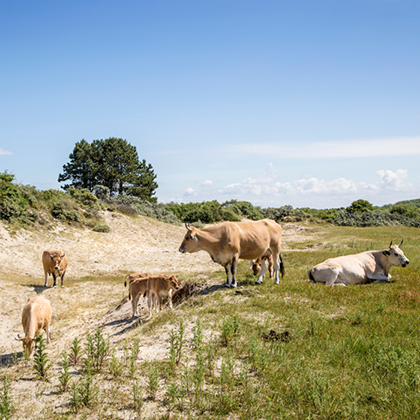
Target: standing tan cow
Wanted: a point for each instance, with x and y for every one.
(230, 241)
(359, 268)
(36, 316)
(55, 263)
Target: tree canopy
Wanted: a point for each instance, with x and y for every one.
(112, 163)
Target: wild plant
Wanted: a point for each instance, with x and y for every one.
(97, 349)
(230, 329)
(64, 376)
(210, 353)
(41, 364)
(84, 393)
(6, 406)
(176, 342)
(137, 398)
(134, 354)
(75, 352)
(116, 366)
(153, 383)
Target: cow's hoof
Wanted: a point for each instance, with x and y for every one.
(258, 282)
(234, 285)
(226, 285)
(277, 282)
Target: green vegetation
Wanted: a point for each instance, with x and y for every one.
(26, 206)
(112, 164)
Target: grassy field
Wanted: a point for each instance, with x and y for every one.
(291, 351)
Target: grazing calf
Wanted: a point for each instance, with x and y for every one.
(55, 263)
(36, 316)
(256, 265)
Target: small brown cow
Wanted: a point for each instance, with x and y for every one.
(135, 276)
(256, 265)
(155, 287)
(36, 316)
(55, 263)
(161, 286)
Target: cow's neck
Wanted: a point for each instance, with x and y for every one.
(31, 327)
(208, 242)
(384, 263)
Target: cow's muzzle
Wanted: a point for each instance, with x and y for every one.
(181, 250)
(56, 267)
(405, 263)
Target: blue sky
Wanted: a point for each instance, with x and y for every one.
(301, 102)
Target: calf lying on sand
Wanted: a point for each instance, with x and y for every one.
(155, 287)
(36, 316)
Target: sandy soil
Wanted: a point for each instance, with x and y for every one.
(133, 245)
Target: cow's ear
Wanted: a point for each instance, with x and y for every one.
(387, 253)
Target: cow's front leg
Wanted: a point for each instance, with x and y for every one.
(46, 277)
(55, 279)
(379, 277)
(233, 269)
(228, 275)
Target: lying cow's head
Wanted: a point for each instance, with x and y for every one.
(56, 259)
(190, 242)
(28, 344)
(395, 255)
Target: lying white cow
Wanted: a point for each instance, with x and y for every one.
(359, 268)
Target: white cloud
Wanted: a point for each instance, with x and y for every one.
(189, 192)
(207, 183)
(268, 185)
(5, 152)
(394, 180)
(353, 148)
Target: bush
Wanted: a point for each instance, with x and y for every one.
(101, 228)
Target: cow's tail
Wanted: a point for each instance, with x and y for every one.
(311, 275)
(282, 270)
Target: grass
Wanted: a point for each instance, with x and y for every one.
(347, 353)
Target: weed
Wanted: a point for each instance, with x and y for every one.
(230, 329)
(64, 376)
(116, 366)
(84, 393)
(137, 398)
(41, 364)
(152, 382)
(134, 354)
(75, 352)
(176, 342)
(97, 349)
(6, 406)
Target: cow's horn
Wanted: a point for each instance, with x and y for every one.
(390, 244)
(187, 225)
(402, 240)
(19, 338)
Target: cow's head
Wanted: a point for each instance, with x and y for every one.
(190, 242)
(28, 344)
(56, 259)
(256, 267)
(396, 256)
(173, 281)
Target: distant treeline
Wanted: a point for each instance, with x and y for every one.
(25, 205)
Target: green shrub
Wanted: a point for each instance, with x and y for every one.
(101, 228)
